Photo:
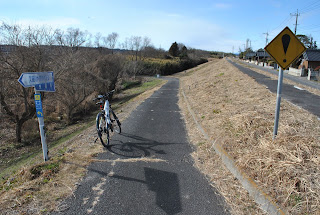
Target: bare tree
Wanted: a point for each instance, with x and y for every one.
(17, 102)
(107, 70)
(146, 42)
(59, 37)
(73, 86)
(74, 37)
(129, 45)
(12, 34)
(137, 45)
(145, 45)
(97, 40)
(111, 41)
(77, 71)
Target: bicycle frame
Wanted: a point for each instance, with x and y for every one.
(106, 109)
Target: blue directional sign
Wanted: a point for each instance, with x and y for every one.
(37, 100)
(48, 87)
(42, 81)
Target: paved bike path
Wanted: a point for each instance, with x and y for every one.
(297, 79)
(148, 168)
(299, 97)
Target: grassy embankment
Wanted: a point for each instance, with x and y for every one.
(238, 114)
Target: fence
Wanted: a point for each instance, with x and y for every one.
(313, 75)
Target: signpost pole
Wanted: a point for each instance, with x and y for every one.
(277, 113)
(41, 127)
(284, 49)
(41, 81)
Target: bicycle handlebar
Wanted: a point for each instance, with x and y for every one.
(106, 96)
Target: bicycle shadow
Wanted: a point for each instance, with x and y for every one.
(133, 146)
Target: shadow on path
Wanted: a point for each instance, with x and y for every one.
(136, 146)
(164, 184)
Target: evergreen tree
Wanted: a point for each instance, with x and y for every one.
(174, 49)
(184, 53)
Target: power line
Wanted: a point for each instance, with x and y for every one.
(281, 25)
(312, 6)
(312, 26)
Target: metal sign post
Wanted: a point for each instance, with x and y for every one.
(41, 81)
(39, 111)
(284, 49)
(277, 113)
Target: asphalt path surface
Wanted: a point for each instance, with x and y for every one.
(297, 79)
(291, 93)
(148, 168)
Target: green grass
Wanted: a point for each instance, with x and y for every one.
(221, 74)
(201, 143)
(216, 111)
(130, 84)
(150, 84)
(145, 86)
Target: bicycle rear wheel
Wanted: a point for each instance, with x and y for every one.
(116, 125)
(102, 129)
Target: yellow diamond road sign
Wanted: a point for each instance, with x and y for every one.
(285, 48)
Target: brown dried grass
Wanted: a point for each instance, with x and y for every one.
(238, 113)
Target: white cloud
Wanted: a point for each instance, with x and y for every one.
(174, 15)
(59, 22)
(222, 5)
(193, 32)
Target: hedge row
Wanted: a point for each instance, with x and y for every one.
(169, 67)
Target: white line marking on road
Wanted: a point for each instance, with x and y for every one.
(98, 191)
(298, 88)
(130, 160)
(85, 200)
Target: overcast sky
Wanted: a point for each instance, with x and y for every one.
(223, 25)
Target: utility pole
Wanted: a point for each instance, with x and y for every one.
(244, 48)
(296, 15)
(267, 34)
(264, 57)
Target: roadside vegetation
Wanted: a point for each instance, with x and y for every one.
(238, 114)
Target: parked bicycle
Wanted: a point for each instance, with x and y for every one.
(106, 119)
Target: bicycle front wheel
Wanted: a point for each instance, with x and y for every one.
(102, 130)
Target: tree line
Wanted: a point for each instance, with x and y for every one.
(83, 66)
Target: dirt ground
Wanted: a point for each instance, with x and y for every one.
(238, 114)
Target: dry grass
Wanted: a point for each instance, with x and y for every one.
(40, 188)
(238, 113)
